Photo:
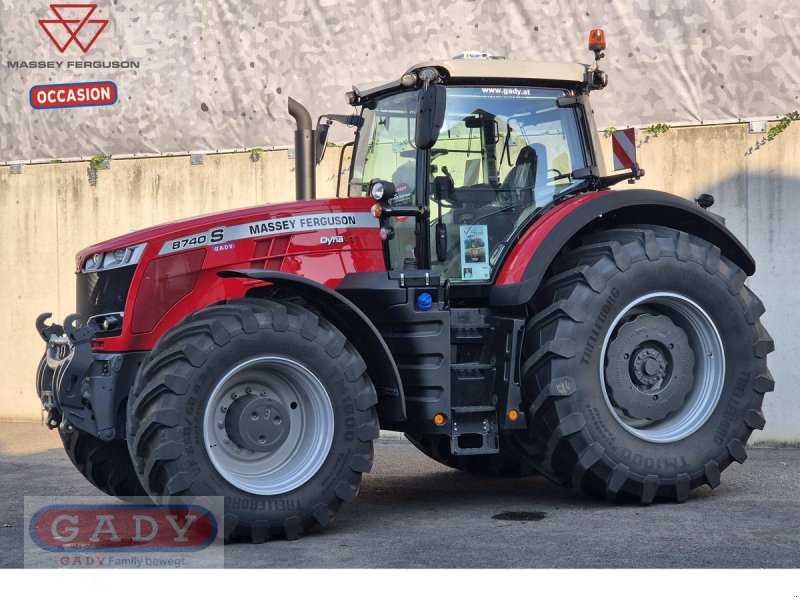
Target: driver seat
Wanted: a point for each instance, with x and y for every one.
(521, 179)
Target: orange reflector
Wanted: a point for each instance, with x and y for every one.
(439, 419)
(513, 415)
(377, 210)
(597, 39)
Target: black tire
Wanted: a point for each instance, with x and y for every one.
(173, 387)
(106, 465)
(509, 462)
(583, 442)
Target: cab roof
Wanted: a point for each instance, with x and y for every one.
(489, 68)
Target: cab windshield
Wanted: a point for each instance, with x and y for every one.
(502, 153)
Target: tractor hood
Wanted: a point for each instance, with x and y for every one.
(256, 221)
(175, 267)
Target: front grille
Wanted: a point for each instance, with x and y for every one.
(103, 292)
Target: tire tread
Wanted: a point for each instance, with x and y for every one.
(154, 418)
(566, 453)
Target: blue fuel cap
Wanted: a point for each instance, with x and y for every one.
(424, 301)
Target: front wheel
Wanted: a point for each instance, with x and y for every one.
(264, 403)
(644, 365)
(105, 464)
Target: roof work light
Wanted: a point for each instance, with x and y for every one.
(597, 40)
(597, 79)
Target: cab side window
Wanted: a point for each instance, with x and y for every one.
(502, 154)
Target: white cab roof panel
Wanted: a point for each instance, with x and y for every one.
(491, 68)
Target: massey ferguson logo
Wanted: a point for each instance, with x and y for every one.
(73, 24)
(330, 241)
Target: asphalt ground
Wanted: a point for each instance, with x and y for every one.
(413, 512)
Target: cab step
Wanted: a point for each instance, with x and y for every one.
(474, 430)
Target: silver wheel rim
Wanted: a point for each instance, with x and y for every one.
(294, 413)
(708, 371)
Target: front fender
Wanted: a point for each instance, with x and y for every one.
(535, 250)
(353, 323)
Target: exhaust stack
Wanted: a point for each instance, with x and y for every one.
(305, 175)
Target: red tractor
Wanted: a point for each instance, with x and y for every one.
(480, 288)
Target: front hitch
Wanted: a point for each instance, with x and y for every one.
(67, 361)
(78, 388)
(48, 331)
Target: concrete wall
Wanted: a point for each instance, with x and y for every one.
(50, 211)
(757, 192)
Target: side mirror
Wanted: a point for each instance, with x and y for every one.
(443, 188)
(431, 105)
(321, 141)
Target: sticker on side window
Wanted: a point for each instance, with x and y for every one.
(402, 196)
(475, 252)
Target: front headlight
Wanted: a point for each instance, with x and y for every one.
(121, 257)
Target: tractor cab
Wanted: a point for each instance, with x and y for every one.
(464, 153)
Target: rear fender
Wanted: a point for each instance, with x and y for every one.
(537, 248)
(351, 321)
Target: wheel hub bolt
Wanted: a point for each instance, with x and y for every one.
(226, 441)
(221, 425)
(650, 366)
(234, 395)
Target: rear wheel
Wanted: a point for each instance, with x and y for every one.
(264, 403)
(644, 365)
